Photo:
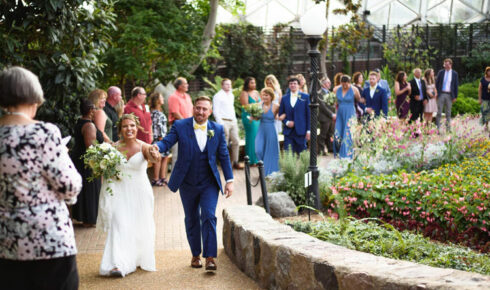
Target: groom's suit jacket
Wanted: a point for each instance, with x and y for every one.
(300, 114)
(183, 132)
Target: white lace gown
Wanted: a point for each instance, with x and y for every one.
(127, 216)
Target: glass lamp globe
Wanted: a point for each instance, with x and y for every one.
(313, 22)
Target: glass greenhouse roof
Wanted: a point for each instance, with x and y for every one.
(267, 13)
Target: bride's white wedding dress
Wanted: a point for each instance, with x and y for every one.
(127, 216)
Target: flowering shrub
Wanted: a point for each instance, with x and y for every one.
(451, 202)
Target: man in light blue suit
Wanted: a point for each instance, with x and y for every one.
(295, 106)
(376, 97)
(196, 176)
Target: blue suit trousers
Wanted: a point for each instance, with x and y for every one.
(199, 203)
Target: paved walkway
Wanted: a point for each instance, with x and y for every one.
(171, 246)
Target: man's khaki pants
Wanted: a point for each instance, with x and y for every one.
(231, 136)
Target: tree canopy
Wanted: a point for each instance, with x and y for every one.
(61, 41)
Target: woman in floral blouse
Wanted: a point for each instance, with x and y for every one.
(159, 129)
(37, 177)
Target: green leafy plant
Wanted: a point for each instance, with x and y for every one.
(293, 169)
(367, 235)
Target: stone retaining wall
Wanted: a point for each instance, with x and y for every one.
(277, 257)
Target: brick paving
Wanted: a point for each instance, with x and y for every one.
(169, 216)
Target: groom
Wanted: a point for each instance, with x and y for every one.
(196, 176)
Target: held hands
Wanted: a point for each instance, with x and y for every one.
(307, 137)
(369, 110)
(228, 189)
(290, 124)
(334, 117)
(154, 152)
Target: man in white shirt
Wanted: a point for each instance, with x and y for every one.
(224, 114)
(447, 90)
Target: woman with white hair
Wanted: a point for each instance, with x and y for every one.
(37, 242)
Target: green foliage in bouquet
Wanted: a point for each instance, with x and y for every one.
(254, 109)
(330, 99)
(104, 161)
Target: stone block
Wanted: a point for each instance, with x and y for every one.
(280, 204)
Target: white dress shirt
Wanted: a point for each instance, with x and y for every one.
(448, 77)
(294, 98)
(372, 90)
(201, 135)
(202, 138)
(223, 106)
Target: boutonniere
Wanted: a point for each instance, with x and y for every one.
(210, 134)
(377, 91)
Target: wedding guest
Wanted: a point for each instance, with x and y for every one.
(250, 95)
(179, 107)
(266, 142)
(224, 114)
(382, 83)
(159, 129)
(326, 117)
(86, 134)
(127, 214)
(402, 91)
(114, 97)
(447, 89)
(484, 97)
(357, 82)
(346, 95)
(272, 82)
(431, 106)
(136, 105)
(98, 97)
(418, 95)
(37, 242)
(376, 98)
(295, 106)
(302, 83)
(336, 79)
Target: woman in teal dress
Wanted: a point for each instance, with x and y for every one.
(346, 94)
(249, 95)
(266, 142)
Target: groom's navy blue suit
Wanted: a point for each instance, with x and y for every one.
(300, 114)
(197, 178)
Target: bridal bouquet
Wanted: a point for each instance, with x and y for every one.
(104, 160)
(255, 110)
(330, 99)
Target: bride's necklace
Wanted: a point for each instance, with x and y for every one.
(18, 114)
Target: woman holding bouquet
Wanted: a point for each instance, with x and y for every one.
(266, 142)
(127, 213)
(86, 134)
(249, 95)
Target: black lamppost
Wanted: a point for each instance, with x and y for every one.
(313, 24)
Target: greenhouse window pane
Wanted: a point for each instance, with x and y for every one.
(477, 4)
(401, 14)
(440, 13)
(462, 13)
(412, 4)
(432, 3)
(380, 16)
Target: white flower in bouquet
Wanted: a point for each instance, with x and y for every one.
(105, 161)
(330, 99)
(254, 109)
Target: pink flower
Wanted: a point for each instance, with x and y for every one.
(390, 203)
(404, 198)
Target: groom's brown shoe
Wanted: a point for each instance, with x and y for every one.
(196, 262)
(210, 264)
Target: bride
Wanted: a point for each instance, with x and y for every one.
(127, 213)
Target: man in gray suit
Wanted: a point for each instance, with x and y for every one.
(447, 88)
(326, 118)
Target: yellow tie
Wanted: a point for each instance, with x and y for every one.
(202, 127)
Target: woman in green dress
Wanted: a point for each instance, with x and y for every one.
(250, 95)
